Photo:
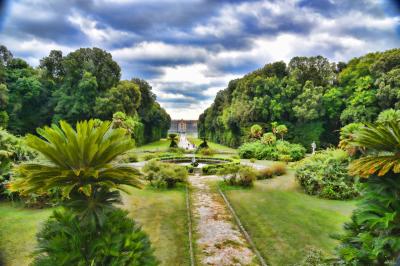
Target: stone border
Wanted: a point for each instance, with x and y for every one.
(190, 229)
(242, 229)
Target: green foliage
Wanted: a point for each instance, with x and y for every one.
(325, 174)
(256, 131)
(347, 136)
(173, 138)
(237, 175)
(281, 150)
(268, 138)
(372, 237)
(206, 152)
(131, 124)
(164, 175)
(311, 96)
(388, 116)
(281, 130)
(64, 240)
(84, 84)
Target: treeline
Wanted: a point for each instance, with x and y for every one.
(81, 85)
(313, 97)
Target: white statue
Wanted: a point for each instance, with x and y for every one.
(313, 146)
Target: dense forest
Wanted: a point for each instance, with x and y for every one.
(313, 97)
(81, 85)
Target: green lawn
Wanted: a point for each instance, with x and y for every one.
(283, 221)
(18, 227)
(162, 214)
(160, 145)
(212, 145)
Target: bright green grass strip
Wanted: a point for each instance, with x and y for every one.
(283, 221)
(162, 144)
(18, 227)
(212, 145)
(163, 216)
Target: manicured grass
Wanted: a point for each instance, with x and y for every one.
(212, 145)
(284, 222)
(160, 145)
(18, 227)
(161, 213)
(163, 217)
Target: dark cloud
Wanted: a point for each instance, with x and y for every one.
(227, 37)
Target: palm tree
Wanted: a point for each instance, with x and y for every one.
(382, 142)
(80, 163)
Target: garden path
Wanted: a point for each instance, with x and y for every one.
(219, 240)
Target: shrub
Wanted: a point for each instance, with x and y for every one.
(172, 138)
(265, 173)
(314, 257)
(237, 175)
(325, 174)
(165, 175)
(149, 156)
(252, 160)
(129, 158)
(176, 150)
(268, 138)
(204, 144)
(206, 152)
(281, 150)
(278, 169)
(65, 240)
(256, 131)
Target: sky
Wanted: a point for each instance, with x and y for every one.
(188, 50)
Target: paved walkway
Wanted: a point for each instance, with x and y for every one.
(184, 143)
(219, 240)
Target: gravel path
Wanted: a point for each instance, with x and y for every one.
(218, 239)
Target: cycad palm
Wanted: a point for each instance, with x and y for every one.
(382, 142)
(81, 163)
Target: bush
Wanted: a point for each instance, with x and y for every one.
(237, 175)
(165, 175)
(65, 240)
(280, 150)
(325, 174)
(252, 160)
(129, 158)
(314, 257)
(278, 169)
(150, 156)
(265, 173)
(206, 152)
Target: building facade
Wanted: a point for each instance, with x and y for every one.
(183, 126)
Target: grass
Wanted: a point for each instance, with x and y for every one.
(18, 227)
(284, 222)
(212, 145)
(161, 213)
(163, 217)
(160, 145)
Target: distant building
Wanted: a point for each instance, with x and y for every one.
(183, 126)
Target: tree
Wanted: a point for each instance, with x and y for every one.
(256, 131)
(316, 69)
(388, 115)
(281, 130)
(347, 136)
(388, 93)
(131, 124)
(268, 138)
(125, 97)
(308, 105)
(74, 104)
(81, 163)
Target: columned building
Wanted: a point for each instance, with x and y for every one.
(183, 126)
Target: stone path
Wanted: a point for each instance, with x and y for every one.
(219, 240)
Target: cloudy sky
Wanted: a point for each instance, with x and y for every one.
(190, 49)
